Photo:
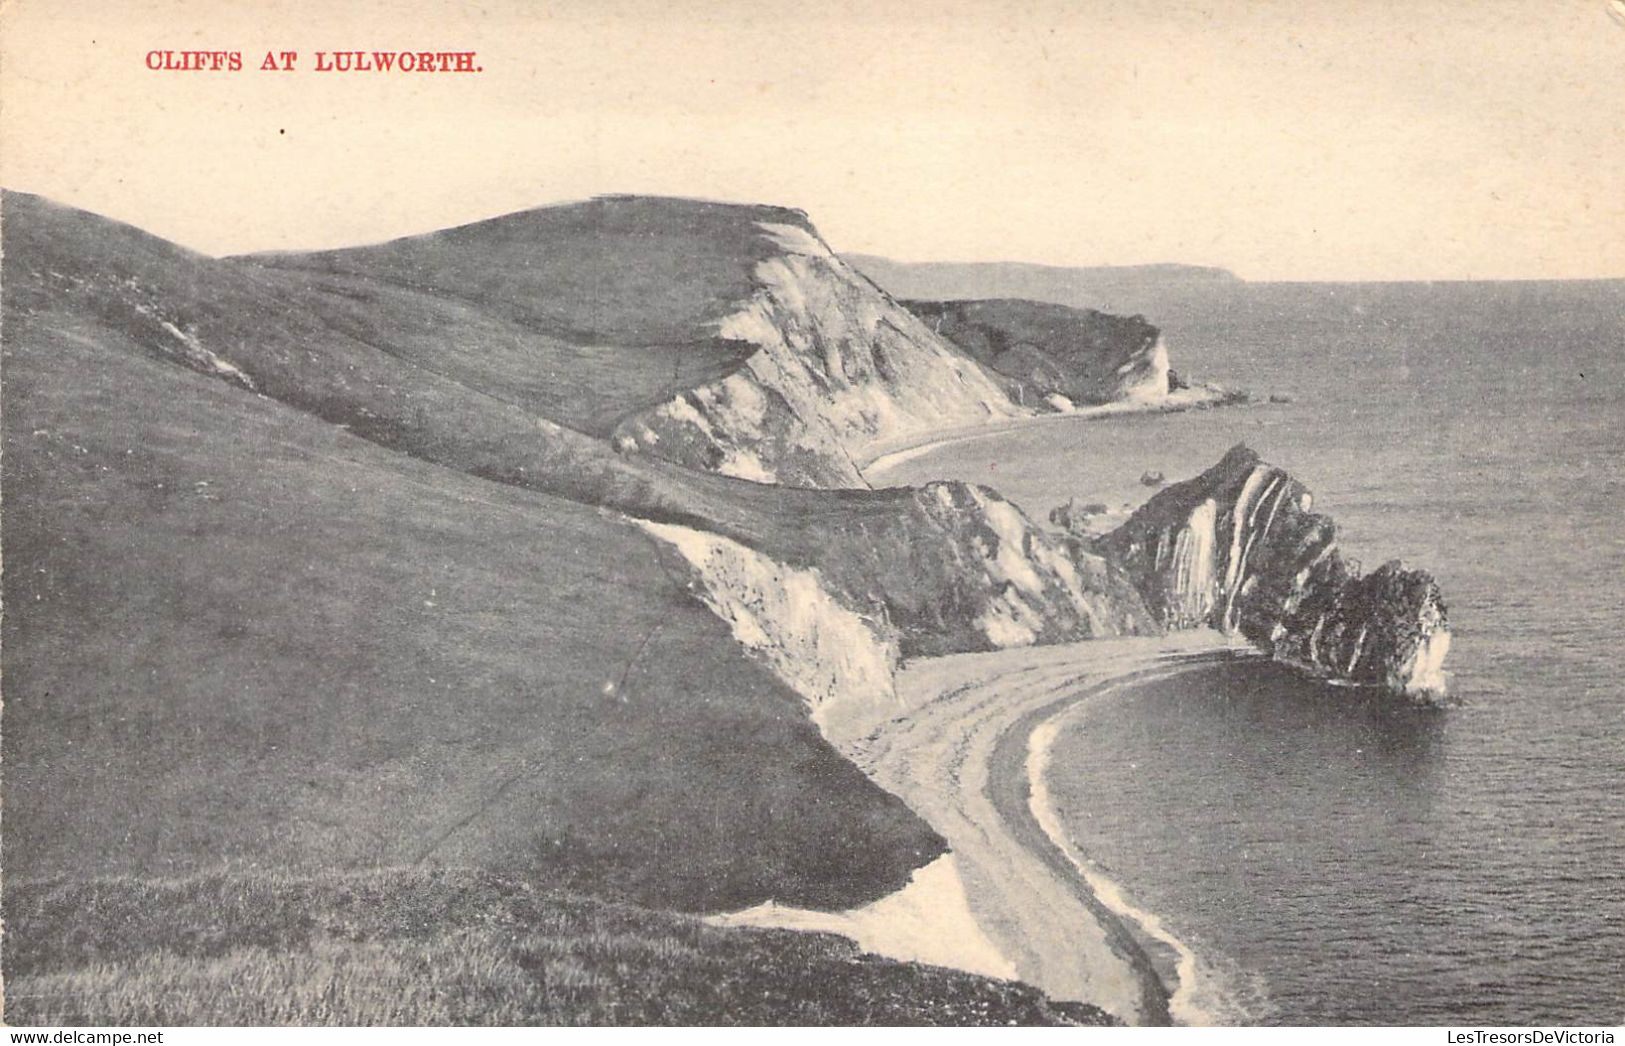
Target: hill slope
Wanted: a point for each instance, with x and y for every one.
(440, 553)
(720, 336)
(310, 578)
(447, 947)
(238, 637)
(261, 328)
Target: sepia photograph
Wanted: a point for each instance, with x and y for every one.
(1015, 513)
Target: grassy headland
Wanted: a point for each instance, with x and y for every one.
(319, 575)
(447, 947)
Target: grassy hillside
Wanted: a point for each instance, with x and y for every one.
(238, 637)
(583, 313)
(622, 270)
(257, 326)
(403, 947)
(311, 572)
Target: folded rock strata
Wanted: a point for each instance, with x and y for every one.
(1239, 549)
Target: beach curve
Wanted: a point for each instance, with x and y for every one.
(879, 457)
(1194, 997)
(961, 754)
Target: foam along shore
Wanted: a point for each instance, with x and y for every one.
(1008, 900)
(1195, 997)
(874, 460)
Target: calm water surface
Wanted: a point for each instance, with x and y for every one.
(1335, 859)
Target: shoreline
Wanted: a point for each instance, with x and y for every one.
(879, 457)
(1019, 763)
(960, 750)
(966, 745)
(1173, 962)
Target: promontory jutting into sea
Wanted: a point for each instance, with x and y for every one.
(494, 536)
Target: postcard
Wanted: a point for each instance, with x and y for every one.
(746, 512)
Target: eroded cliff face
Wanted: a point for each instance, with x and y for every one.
(1049, 350)
(785, 615)
(1239, 549)
(838, 366)
(946, 568)
(953, 567)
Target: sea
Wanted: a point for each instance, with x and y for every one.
(1330, 856)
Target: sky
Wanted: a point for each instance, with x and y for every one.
(1311, 139)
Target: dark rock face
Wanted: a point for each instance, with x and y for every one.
(1047, 349)
(952, 567)
(1238, 549)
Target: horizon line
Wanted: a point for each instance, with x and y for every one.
(1228, 274)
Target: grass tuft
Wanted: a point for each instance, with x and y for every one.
(447, 947)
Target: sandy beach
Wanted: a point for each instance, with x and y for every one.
(967, 750)
(874, 460)
(966, 745)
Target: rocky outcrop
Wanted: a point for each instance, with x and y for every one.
(1239, 549)
(1050, 350)
(838, 365)
(785, 616)
(952, 567)
(946, 568)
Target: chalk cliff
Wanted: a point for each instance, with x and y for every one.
(945, 568)
(952, 567)
(837, 365)
(788, 619)
(724, 338)
(1239, 549)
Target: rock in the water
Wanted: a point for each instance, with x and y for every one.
(1153, 479)
(1075, 514)
(1237, 548)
